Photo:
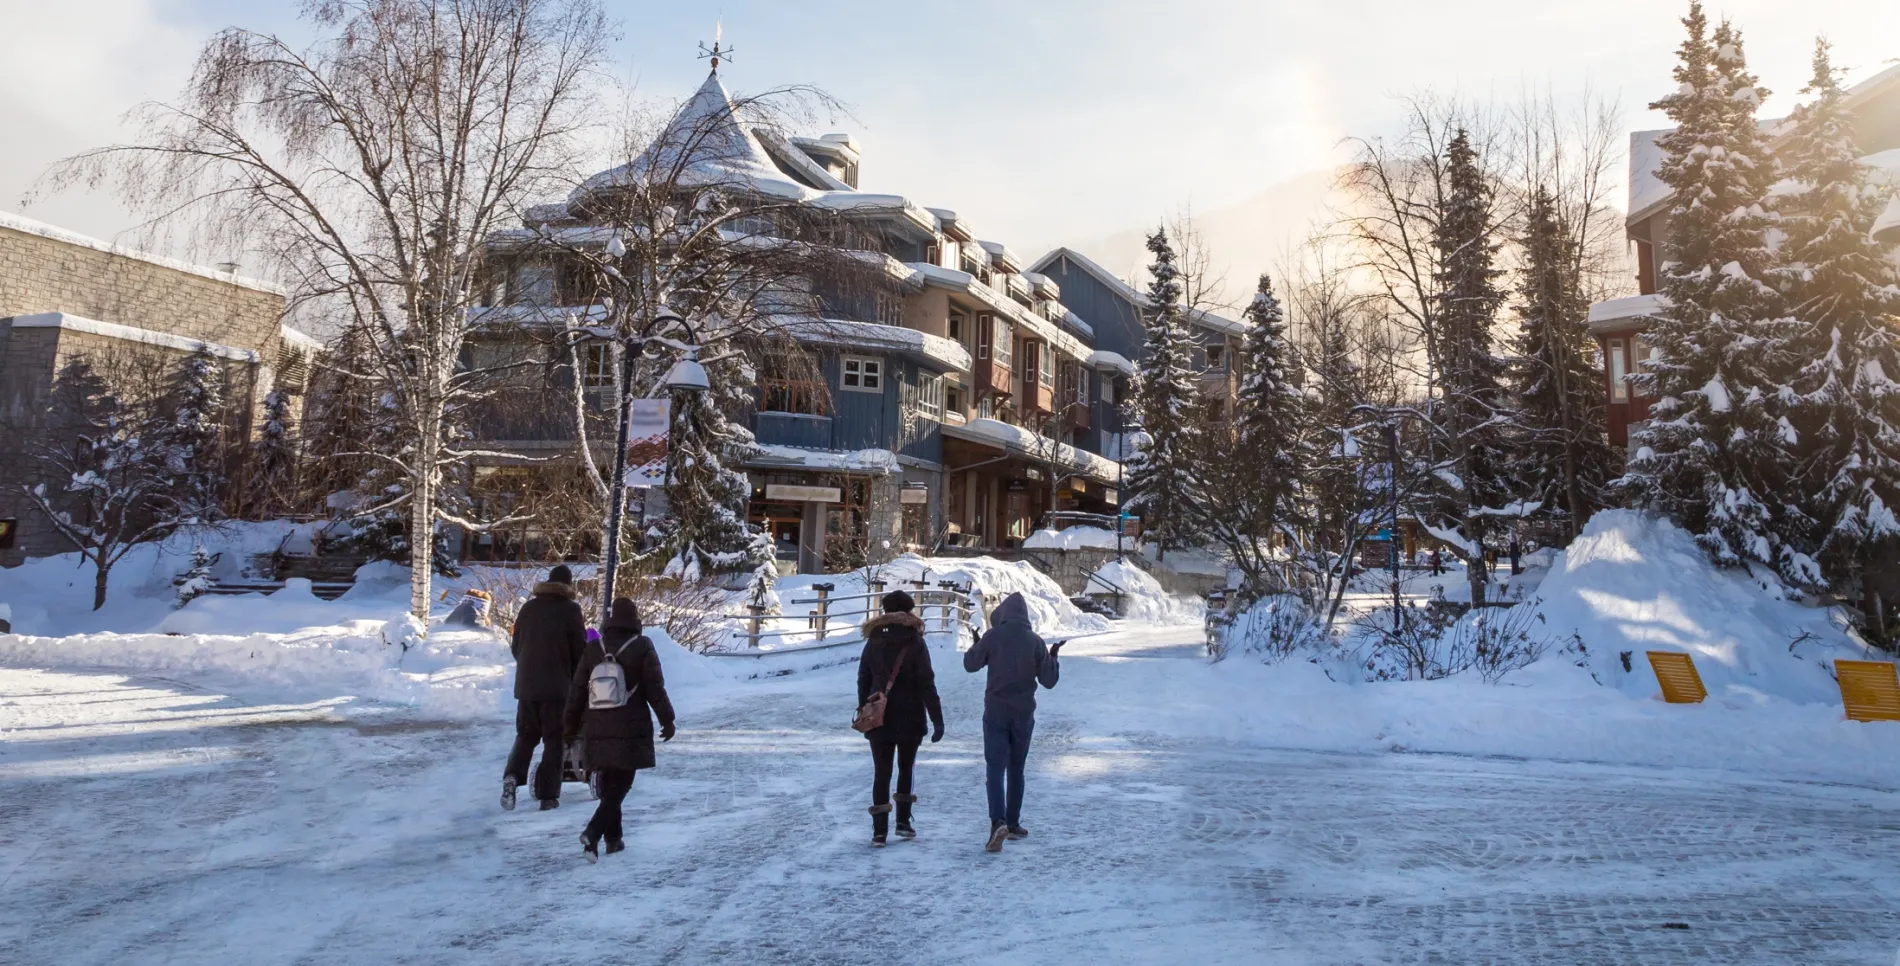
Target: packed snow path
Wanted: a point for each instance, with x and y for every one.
(152, 821)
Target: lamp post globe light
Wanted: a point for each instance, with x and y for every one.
(686, 375)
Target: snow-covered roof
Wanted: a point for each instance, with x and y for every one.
(1887, 226)
(1616, 313)
(1022, 442)
(932, 349)
(954, 225)
(130, 333)
(1000, 253)
(881, 462)
(1075, 322)
(301, 339)
(708, 146)
(786, 151)
(29, 226)
(1104, 359)
(1131, 295)
(858, 202)
(1042, 285)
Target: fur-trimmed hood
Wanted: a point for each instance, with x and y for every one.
(894, 619)
(554, 588)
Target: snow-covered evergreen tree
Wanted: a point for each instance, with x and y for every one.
(196, 581)
(705, 530)
(1845, 294)
(1471, 414)
(190, 437)
(1161, 480)
(1251, 471)
(1714, 453)
(274, 457)
(1563, 454)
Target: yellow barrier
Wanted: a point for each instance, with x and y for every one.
(1677, 675)
(1870, 691)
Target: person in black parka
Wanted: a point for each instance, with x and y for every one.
(549, 634)
(616, 742)
(897, 634)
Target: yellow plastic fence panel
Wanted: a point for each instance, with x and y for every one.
(1676, 673)
(1870, 691)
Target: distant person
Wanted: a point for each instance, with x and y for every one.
(616, 739)
(1017, 660)
(549, 635)
(1438, 563)
(1515, 555)
(896, 663)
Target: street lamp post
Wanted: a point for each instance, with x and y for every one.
(686, 375)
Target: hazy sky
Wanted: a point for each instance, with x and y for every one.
(1044, 123)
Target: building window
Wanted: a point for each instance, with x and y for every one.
(800, 396)
(953, 399)
(1081, 386)
(890, 308)
(1619, 372)
(984, 331)
(1215, 356)
(597, 366)
(1048, 366)
(1000, 337)
(957, 325)
(1197, 356)
(863, 375)
(930, 396)
(986, 408)
(1639, 354)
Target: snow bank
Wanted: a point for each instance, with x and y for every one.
(1077, 538)
(1633, 584)
(1142, 596)
(1049, 608)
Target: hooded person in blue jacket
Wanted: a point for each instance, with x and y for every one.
(1018, 661)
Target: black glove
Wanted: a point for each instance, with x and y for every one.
(666, 731)
(1057, 646)
(936, 734)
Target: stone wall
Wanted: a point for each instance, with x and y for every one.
(44, 269)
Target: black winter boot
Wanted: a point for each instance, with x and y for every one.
(904, 829)
(880, 825)
(590, 848)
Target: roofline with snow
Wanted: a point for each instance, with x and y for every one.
(131, 333)
(29, 226)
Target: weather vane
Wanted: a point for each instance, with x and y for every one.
(715, 52)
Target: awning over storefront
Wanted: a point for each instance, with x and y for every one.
(1019, 442)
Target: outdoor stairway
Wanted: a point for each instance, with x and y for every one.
(330, 576)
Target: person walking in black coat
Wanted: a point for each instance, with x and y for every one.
(616, 742)
(550, 633)
(1018, 661)
(894, 644)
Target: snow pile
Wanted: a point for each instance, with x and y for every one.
(453, 673)
(1633, 584)
(1142, 597)
(1077, 538)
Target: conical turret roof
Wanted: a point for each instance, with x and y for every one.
(705, 143)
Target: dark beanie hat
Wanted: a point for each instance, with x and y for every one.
(560, 575)
(897, 601)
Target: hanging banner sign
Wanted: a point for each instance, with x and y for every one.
(646, 442)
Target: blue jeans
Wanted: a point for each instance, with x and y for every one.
(1005, 751)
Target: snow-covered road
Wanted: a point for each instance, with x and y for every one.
(151, 821)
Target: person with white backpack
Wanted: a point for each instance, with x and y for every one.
(617, 691)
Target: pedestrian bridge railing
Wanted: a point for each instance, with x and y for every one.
(837, 621)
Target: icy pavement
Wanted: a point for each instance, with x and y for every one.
(149, 820)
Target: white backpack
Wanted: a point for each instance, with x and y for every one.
(607, 685)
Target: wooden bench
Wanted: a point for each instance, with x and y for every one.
(1676, 672)
(1870, 690)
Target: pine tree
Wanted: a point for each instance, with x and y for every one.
(1845, 294)
(274, 457)
(706, 530)
(1558, 389)
(195, 582)
(1160, 476)
(190, 437)
(1251, 470)
(1715, 451)
(1470, 468)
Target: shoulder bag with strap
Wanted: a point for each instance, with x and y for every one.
(607, 684)
(872, 714)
